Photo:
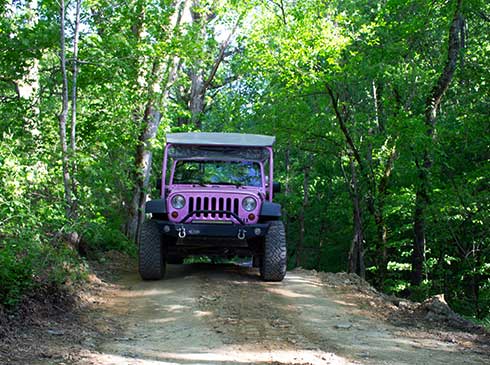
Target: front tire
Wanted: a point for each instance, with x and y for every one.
(273, 265)
(151, 255)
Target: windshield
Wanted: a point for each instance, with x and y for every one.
(239, 173)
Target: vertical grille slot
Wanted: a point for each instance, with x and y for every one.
(198, 206)
(206, 206)
(191, 205)
(235, 206)
(228, 206)
(221, 206)
(213, 207)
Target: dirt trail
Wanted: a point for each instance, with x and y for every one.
(204, 314)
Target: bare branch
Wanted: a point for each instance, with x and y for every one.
(484, 16)
(341, 118)
(442, 84)
(221, 54)
(280, 5)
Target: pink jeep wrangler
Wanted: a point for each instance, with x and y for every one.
(216, 201)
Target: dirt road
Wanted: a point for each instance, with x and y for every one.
(205, 314)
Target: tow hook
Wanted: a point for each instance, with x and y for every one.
(241, 234)
(181, 231)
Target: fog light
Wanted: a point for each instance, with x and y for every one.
(257, 231)
(166, 229)
(251, 216)
(175, 214)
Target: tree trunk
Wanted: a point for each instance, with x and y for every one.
(378, 105)
(376, 206)
(301, 218)
(73, 143)
(143, 158)
(196, 101)
(143, 167)
(63, 116)
(433, 102)
(356, 253)
(200, 83)
(149, 127)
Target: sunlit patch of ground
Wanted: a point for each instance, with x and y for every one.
(224, 314)
(219, 357)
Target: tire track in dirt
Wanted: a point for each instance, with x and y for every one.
(224, 315)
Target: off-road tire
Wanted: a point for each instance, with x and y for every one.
(151, 255)
(273, 265)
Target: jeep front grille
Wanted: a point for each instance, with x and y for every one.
(213, 203)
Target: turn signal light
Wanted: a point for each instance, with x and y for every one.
(251, 217)
(175, 214)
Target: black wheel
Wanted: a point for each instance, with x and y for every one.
(273, 265)
(151, 255)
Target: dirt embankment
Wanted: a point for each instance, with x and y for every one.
(223, 314)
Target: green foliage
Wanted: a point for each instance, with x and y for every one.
(101, 235)
(28, 268)
(380, 66)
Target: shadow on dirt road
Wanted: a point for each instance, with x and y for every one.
(223, 314)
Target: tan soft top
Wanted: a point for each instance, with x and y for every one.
(221, 139)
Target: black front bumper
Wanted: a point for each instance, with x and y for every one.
(196, 230)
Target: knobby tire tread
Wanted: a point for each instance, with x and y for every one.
(151, 259)
(274, 260)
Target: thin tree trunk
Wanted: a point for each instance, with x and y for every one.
(378, 105)
(143, 158)
(63, 116)
(199, 83)
(301, 218)
(423, 187)
(342, 117)
(376, 208)
(73, 142)
(356, 253)
(381, 229)
(196, 101)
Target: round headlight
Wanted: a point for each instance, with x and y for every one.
(178, 201)
(249, 204)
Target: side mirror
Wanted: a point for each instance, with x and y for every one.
(276, 187)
